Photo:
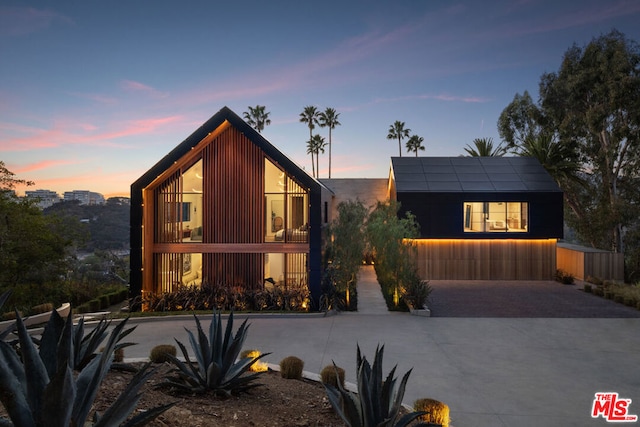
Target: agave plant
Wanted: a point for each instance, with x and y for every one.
(375, 403)
(39, 387)
(85, 347)
(218, 366)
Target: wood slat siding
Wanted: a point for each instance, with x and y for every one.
(233, 211)
(486, 259)
(582, 263)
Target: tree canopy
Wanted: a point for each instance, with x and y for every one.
(589, 113)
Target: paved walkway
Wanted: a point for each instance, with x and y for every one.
(491, 371)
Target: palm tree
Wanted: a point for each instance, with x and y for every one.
(315, 146)
(329, 119)
(414, 144)
(257, 118)
(557, 158)
(483, 147)
(397, 131)
(310, 116)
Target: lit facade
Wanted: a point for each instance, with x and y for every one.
(225, 206)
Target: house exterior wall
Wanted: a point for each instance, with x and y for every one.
(367, 190)
(441, 215)
(583, 262)
(477, 259)
(233, 243)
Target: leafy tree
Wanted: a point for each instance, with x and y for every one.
(398, 131)
(592, 105)
(346, 246)
(394, 255)
(8, 181)
(414, 144)
(483, 147)
(329, 118)
(257, 118)
(310, 116)
(521, 120)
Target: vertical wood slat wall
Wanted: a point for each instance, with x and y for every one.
(502, 259)
(233, 213)
(233, 207)
(585, 262)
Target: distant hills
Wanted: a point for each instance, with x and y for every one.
(94, 227)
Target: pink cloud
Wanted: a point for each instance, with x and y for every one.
(19, 21)
(134, 86)
(68, 132)
(45, 164)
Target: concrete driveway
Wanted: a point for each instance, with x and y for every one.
(498, 367)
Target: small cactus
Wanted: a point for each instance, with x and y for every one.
(118, 355)
(331, 375)
(438, 412)
(159, 353)
(291, 368)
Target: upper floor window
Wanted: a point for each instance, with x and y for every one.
(287, 207)
(496, 217)
(179, 206)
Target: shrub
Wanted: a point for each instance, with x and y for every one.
(376, 403)
(587, 288)
(618, 298)
(630, 301)
(437, 412)
(332, 375)
(10, 315)
(94, 305)
(608, 294)
(595, 280)
(291, 368)
(159, 353)
(564, 277)
(218, 368)
(42, 308)
(598, 291)
(104, 301)
(416, 291)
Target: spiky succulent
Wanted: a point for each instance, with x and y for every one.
(375, 403)
(217, 367)
(38, 387)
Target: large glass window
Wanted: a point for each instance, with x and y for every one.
(179, 206)
(287, 207)
(496, 217)
(192, 203)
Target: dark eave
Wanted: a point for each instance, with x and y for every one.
(225, 114)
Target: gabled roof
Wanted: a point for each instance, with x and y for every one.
(471, 174)
(218, 119)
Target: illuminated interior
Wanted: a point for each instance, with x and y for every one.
(496, 217)
(287, 207)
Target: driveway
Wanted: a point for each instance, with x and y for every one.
(538, 299)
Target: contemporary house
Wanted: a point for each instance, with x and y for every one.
(225, 206)
(481, 217)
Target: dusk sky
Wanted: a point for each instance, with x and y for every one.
(94, 93)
